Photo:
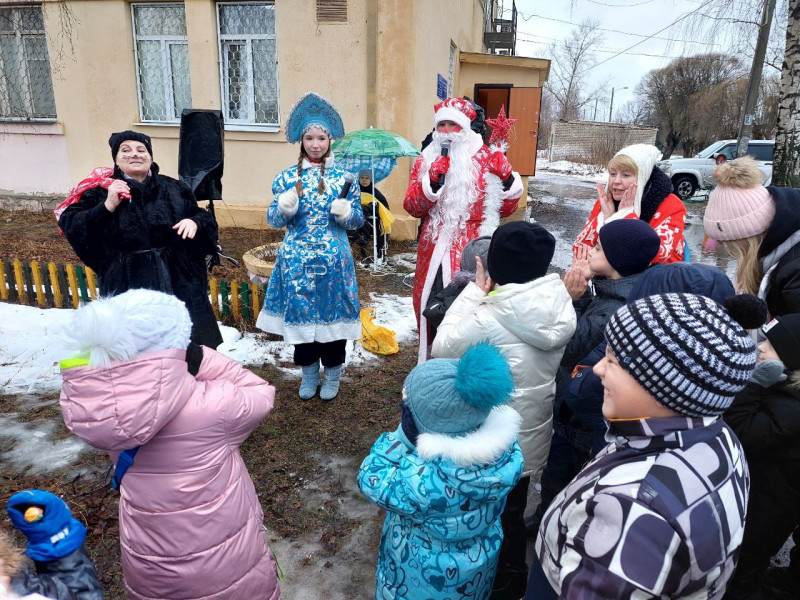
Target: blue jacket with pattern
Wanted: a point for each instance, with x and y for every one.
(659, 513)
(441, 537)
(313, 294)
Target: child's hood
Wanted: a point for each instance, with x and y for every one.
(539, 312)
(126, 404)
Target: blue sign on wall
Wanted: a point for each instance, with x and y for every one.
(441, 88)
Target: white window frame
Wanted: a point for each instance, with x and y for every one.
(5, 100)
(247, 124)
(166, 63)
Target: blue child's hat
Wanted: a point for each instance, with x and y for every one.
(56, 534)
(312, 110)
(454, 397)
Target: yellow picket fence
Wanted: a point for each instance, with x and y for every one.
(67, 286)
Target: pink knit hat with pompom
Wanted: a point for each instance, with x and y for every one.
(740, 206)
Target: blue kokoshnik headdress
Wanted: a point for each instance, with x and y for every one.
(312, 110)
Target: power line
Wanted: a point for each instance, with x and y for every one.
(675, 22)
(600, 49)
(528, 16)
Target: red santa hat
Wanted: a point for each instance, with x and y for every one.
(457, 110)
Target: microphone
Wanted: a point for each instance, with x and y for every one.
(349, 178)
(445, 152)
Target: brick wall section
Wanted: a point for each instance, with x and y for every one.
(570, 139)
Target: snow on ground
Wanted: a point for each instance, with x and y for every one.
(572, 169)
(33, 449)
(392, 311)
(32, 343)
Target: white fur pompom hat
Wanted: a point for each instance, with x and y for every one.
(121, 327)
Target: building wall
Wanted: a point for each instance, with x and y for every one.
(412, 51)
(33, 159)
(585, 139)
(380, 72)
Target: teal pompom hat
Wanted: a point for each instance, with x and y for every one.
(454, 396)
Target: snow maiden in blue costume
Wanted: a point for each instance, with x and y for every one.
(443, 477)
(312, 299)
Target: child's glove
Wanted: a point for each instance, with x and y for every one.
(341, 209)
(768, 372)
(407, 423)
(288, 203)
(53, 536)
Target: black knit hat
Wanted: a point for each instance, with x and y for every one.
(784, 335)
(116, 139)
(519, 252)
(630, 245)
(685, 350)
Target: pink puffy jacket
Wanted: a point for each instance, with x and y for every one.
(189, 518)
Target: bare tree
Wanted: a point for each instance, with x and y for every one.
(632, 112)
(786, 166)
(571, 58)
(666, 95)
(546, 118)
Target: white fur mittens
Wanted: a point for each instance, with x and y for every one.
(288, 202)
(341, 209)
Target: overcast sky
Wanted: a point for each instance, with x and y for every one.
(540, 22)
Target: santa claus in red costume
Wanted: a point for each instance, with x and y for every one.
(460, 192)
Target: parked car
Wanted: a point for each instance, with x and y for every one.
(689, 174)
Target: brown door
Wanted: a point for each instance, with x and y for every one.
(524, 105)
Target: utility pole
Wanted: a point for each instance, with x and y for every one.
(611, 106)
(748, 113)
(594, 117)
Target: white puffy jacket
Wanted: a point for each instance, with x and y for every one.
(530, 323)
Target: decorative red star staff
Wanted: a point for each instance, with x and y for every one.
(501, 127)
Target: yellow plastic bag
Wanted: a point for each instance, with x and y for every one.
(376, 338)
(386, 217)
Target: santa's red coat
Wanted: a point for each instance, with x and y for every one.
(418, 203)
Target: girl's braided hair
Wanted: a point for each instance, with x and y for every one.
(299, 185)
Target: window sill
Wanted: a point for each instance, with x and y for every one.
(43, 127)
(156, 124)
(253, 128)
(233, 131)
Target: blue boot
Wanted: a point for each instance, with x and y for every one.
(330, 383)
(308, 387)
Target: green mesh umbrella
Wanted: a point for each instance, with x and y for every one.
(377, 143)
(379, 148)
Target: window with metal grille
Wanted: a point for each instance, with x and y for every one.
(26, 86)
(248, 62)
(162, 61)
(332, 11)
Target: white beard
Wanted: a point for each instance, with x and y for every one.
(450, 213)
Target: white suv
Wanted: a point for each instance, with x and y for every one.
(688, 174)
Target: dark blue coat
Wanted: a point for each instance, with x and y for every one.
(583, 393)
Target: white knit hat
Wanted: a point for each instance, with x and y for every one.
(135, 322)
(645, 156)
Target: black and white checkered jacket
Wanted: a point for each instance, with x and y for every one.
(658, 513)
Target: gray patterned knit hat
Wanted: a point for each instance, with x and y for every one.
(685, 350)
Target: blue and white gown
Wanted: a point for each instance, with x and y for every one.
(313, 294)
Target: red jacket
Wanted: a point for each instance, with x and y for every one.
(668, 222)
